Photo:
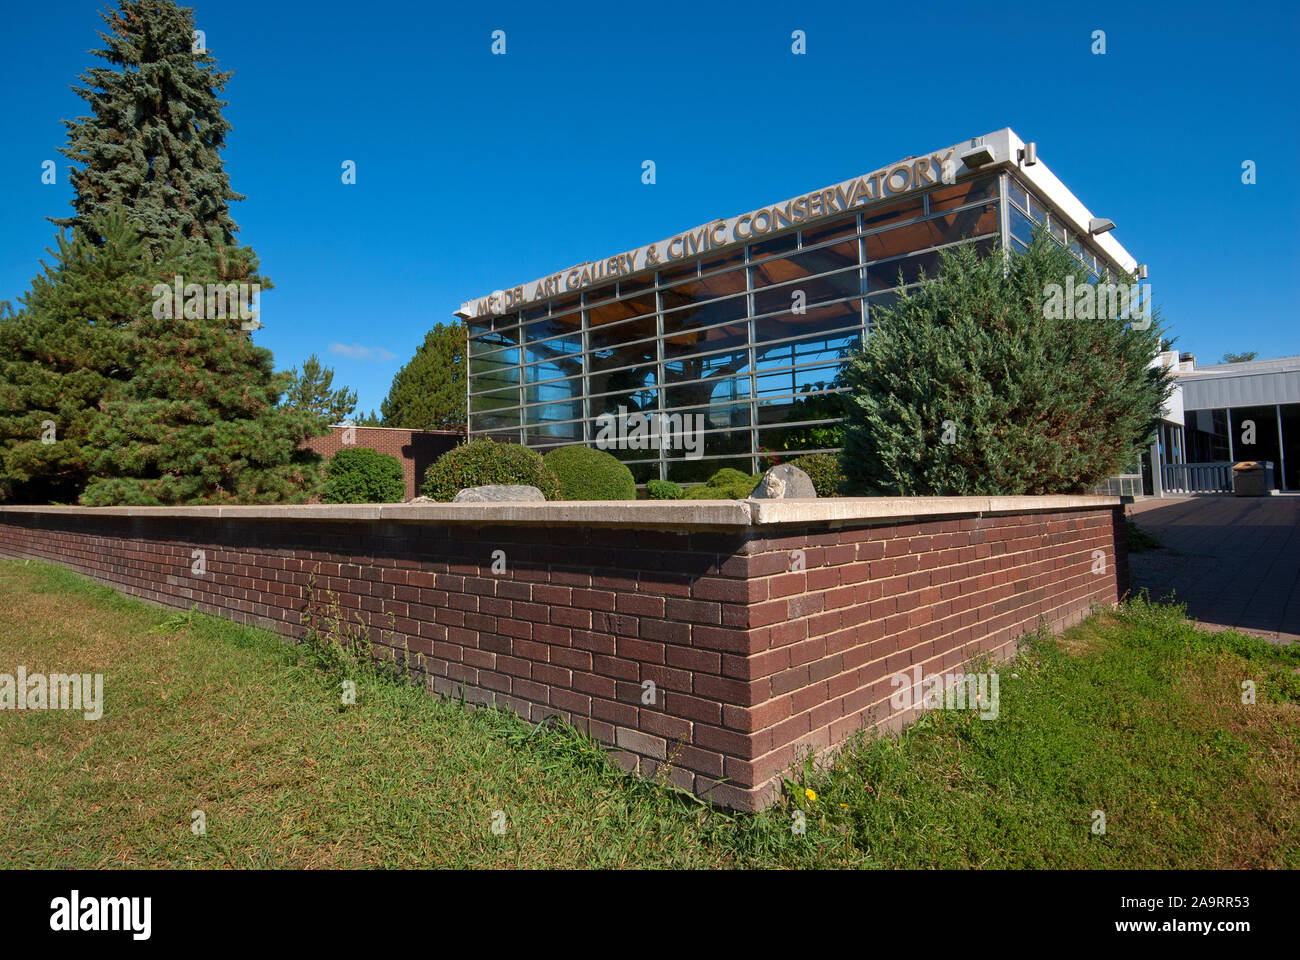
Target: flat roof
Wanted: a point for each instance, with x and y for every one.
(885, 183)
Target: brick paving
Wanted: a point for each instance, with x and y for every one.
(1235, 561)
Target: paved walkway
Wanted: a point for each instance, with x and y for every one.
(1235, 561)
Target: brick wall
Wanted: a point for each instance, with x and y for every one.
(417, 449)
(761, 638)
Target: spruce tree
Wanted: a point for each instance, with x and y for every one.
(971, 385)
(153, 138)
(64, 354)
(200, 420)
(428, 393)
(312, 390)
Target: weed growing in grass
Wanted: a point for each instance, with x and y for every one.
(338, 639)
(1139, 540)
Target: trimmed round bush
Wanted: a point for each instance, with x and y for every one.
(589, 474)
(824, 471)
(663, 490)
(481, 462)
(728, 476)
(362, 475)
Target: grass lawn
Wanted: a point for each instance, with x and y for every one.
(1133, 713)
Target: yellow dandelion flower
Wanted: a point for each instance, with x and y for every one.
(811, 795)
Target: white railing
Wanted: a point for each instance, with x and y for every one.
(1198, 477)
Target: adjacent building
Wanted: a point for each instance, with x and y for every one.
(745, 321)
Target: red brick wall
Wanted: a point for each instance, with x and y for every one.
(751, 660)
(417, 449)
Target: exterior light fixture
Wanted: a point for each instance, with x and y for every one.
(978, 156)
(1142, 271)
(1100, 225)
(1028, 154)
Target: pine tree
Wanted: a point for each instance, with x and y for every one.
(153, 138)
(311, 390)
(970, 385)
(200, 420)
(429, 392)
(64, 354)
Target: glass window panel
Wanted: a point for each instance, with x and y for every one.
(706, 314)
(632, 399)
(1017, 193)
(877, 218)
(816, 319)
(551, 412)
(960, 194)
(478, 326)
(493, 341)
(690, 342)
(693, 367)
(722, 443)
(537, 312)
(639, 285)
(807, 379)
(1022, 228)
(630, 379)
(719, 416)
(496, 400)
(600, 294)
(611, 335)
(506, 417)
(497, 366)
(824, 348)
(836, 286)
(702, 290)
(621, 310)
(727, 262)
(810, 263)
(720, 389)
(626, 355)
(844, 227)
(765, 248)
(1056, 229)
(538, 434)
(553, 327)
(689, 269)
(1036, 210)
(553, 369)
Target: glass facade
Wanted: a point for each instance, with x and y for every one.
(751, 338)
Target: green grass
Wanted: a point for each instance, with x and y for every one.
(1134, 713)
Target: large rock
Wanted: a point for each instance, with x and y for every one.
(784, 482)
(499, 493)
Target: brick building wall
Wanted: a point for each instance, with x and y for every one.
(417, 449)
(765, 629)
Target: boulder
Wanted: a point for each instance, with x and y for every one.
(784, 482)
(499, 493)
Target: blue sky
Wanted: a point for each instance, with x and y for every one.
(477, 172)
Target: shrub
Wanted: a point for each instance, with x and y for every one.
(663, 490)
(976, 382)
(589, 474)
(362, 475)
(483, 461)
(824, 471)
(727, 476)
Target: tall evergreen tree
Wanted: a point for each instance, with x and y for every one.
(64, 354)
(972, 385)
(312, 390)
(429, 392)
(200, 420)
(153, 138)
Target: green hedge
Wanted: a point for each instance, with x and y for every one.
(663, 490)
(482, 462)
(585, 473)
(362, 475)
(825, 472)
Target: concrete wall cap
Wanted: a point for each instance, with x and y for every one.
(641, 513)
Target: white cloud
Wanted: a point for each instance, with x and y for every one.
(356, 351)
